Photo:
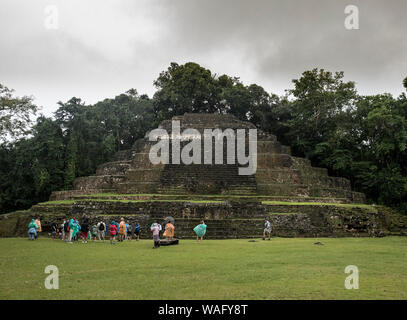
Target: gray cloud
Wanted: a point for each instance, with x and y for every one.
(103, 48)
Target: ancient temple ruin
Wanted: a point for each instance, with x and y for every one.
(278, 172)
(299, 199)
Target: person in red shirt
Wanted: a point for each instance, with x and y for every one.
(113, 232)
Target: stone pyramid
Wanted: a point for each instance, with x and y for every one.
(278, 172)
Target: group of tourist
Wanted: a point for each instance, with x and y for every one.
(123, 231)
(71, 230)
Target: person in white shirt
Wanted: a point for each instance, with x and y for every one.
(101, 227)
(267, 229)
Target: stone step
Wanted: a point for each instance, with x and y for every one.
(113, 168)
(215, 197)
(122, 155)
(302, 190)
(97, 182)
(264, 176)
(71, 194)
(137, 187)
(146, 175)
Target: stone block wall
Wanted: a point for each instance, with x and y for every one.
(225, 220)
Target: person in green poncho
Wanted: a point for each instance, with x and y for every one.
(32, 230)
(200, 230)
(76, 228)
(71, 225)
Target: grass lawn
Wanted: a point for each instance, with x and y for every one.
(284, 268)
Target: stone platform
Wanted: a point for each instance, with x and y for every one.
(226, 219)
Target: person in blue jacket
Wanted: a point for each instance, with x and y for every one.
(137, 231)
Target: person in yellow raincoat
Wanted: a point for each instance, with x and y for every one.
(122, 230)
(169, 231)
(38, 223)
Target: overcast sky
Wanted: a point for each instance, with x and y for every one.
(103, 48)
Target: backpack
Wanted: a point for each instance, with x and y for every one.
(101, 227)
(66, 226)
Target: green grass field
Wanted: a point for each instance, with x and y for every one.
(283, 268)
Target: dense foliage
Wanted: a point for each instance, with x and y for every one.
(363, 138)
(15, 113)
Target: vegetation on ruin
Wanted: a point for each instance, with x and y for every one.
(126, 201)
(283, 213)
(283, 268)
(323, 118)
(279, 203)
(101, 195)
(343, 205)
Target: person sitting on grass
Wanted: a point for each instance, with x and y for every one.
(32, 230)
(200, 230)
(155, 228)
(137, 231)
(169, 231)
(113, 232)
(267, 229)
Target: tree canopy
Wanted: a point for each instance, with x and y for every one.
(15, 113)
